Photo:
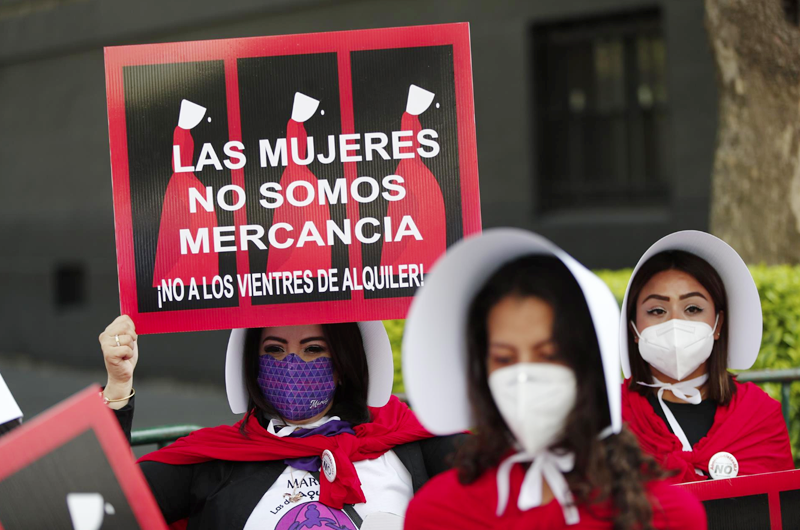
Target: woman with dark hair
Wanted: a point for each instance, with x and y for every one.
(691, 312)
(316, 398)
(515, 339)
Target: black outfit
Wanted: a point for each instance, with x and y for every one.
(9, 426)
(695, 420)
(223, 494)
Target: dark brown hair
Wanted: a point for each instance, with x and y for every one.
(613, 468)
(349, 362)
(720, 383)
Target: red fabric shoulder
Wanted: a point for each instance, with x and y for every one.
(750, 427)
(393, 424)
(675, 508)
(446, 503)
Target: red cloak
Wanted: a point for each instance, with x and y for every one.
(175, 215)
(751, 428)
(393, 424)
(310, 256)
(424, 203)
(446, 503)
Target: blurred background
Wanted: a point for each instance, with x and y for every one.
(602, 124)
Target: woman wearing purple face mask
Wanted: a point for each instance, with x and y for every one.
(322, 441)
(295, 373)
(691, 312)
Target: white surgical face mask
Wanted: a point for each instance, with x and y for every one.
(677, 347)
(534, 400)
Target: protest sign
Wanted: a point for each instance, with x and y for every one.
(288, 180)
(10, 414)
(71, 467)
(767, 500)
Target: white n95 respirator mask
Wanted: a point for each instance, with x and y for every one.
(534, 399)
(677, 347)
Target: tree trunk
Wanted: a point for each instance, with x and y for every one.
(756, 180)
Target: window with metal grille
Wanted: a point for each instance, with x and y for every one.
(601, 110)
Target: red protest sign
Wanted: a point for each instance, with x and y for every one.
(287, 180)
(71, 467)
(754, 501)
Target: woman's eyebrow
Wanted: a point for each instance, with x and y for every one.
(313, 339)
(657, 297)
(695, 293)
(276, 339)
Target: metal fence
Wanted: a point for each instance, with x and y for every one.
(784, 377)
(163, 436)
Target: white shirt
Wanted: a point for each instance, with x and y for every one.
(292, 502)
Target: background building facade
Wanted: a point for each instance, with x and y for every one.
(596, 124)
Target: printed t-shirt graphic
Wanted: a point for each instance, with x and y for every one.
(170, 263)
(291, 504)
(292, 501)
(315, 515)
(310, 256)
(423, 202)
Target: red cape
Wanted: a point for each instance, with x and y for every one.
(751, 428)
(393, 424)
(446, 503)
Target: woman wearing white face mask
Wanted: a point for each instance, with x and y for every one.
(692, 311)
(515, 339)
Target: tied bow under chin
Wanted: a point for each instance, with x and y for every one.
(545, 465)
(687, 391)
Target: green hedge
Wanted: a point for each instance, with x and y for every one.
(779, 287)
(395, 330)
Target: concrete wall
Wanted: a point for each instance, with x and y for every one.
(55, 203)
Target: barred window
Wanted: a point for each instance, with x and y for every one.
(601, 112)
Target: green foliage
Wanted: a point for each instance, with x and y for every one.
(779, 288)
(395, 330)
(617, 281)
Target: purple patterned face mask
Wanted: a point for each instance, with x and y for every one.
(297, 389)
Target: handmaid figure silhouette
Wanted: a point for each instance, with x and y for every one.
(310, 257)
(424, 201)
(175, 214)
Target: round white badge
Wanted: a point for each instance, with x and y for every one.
(723, 465)
(328, 465)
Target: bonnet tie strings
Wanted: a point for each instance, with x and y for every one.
(545, 465)
(687, 391)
